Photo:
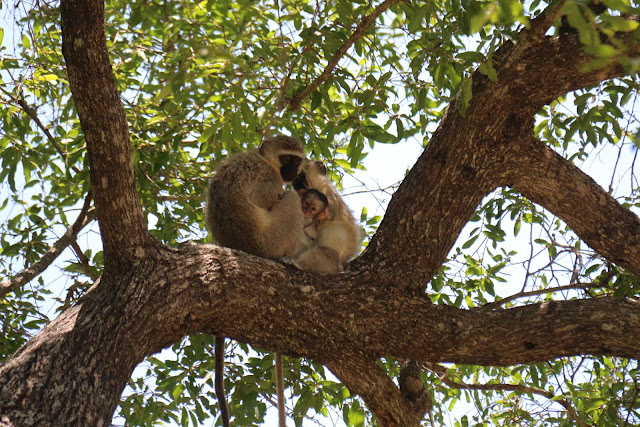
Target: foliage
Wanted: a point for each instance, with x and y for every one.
(202, 80)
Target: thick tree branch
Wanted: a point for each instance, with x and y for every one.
(122, 224)
(365, 378)
(204, 288)
(468, 157)
(546, 178)
(85, 217)
(362, 27)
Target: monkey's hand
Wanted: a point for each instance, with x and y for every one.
(289, 261)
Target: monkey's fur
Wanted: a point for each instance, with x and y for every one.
(246, 208)
(338, 234)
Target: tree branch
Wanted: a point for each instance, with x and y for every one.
(543, 176)
(102, 117)
(365, 378)
(34, 116)
(468, 157)
(361, 317)
(497, 304)
(85, 217)
(364, 24)
(441, 371)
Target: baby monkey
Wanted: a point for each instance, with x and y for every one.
(315, 207)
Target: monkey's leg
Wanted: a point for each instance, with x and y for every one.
(280, 391)
(319, 259)
(219, 381)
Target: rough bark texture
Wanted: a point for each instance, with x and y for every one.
(150, 296)
(103, 121)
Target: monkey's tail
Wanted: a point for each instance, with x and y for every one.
(219, 381)
(280, 391)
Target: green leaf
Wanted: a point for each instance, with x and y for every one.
(177, 392)
(487, 69)
(618, 23)
(26, 43)
(465, 96)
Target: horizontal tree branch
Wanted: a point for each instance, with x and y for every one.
(204, 288)
(85, 216)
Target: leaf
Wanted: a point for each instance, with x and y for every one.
(470, 242)
(316, 100)
(417, 18)
(177, 392)
(465, 96)
(165, 92)
(157, 119)
(26, 43)
(487, 69)
(47, 77)
(618, 23)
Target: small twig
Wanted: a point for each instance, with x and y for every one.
(84, 261)
(364, 24)
(34, 116)
(494, 304)
(441, 371)
(87, 214)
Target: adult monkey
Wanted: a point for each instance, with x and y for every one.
(247, 210)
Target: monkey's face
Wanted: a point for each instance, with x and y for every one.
(301, 181)
(311, 208)
(289, 165)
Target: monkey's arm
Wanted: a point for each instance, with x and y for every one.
(284, 231)
(265, 195)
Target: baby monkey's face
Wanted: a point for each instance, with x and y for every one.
(313, 202)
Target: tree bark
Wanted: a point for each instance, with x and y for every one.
(150, 296)
(102, 118)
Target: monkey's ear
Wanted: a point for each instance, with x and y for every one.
(322, 169)
(264, 147)
(324, 214)
(302, 192)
